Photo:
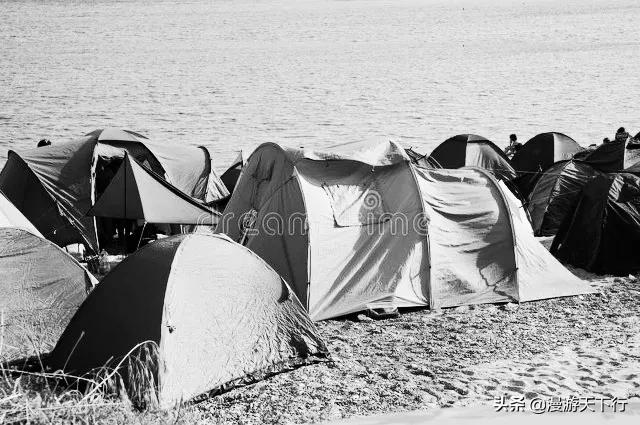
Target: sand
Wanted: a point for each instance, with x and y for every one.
(582, 346)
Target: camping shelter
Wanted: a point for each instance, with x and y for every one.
(538, 154)
(555, 194)
(471, 150)
(137, 193)
(603, 232)
(367, 229)
(41, 286)
(218, 314)
(54, 186)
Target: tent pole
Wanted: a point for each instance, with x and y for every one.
(141, 235)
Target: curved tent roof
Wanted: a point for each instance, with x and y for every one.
(219, 315)
(540, 153)
(294, 210)
(54, 186)
(40, 285)
(603, 232)
(608, 157)
(471, 150)
(555, 194)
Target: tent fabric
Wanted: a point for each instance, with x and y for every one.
(474, 151)
(54, 186)
(421, 160)
(556, 193)
(41, 285)
(540, 153)
(10, 216)
(136, 192)
(218, 320)
(608, 157)
(290, 210)
(603, 232)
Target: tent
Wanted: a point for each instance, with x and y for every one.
(367, 229)
(421, 160)
(538, 154)
(232, 174)
(54, 186)
(218, 315)
(475, 151)
(608, 157)
(136, 192)
(603, 232)
(41, 285)
(555, 194)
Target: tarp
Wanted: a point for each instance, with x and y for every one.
(473, 151)
(556, 193)
(603, 232)
(41, 286)
(138, 193)
(218, 320)
(350, 236)
(54, 186)
(540, 153)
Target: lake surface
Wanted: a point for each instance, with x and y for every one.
(233, 74)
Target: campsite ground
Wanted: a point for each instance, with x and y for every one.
(584, 346)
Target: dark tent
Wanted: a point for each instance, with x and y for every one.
(206, 313)
(538, 154)
(421, 160)
(470, 150)
(608, 157)
(602, 234)
(54, 186)
(555, 194)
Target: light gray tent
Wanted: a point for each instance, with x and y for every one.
(41, 286)
(218, 315)
(366, 229)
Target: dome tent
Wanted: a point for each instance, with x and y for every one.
(54, 186)
(41, 285)
(555, 194)
(473, 151)
(602, 233)
(538, 154)
(218, 315)
(294, 207)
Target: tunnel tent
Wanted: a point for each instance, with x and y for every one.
(475, 151)
(137, 193)
(218, 321)
(539, 153)
(373, 204)
(556, 193)
(613, 202)
(41, 285)
(54, 186)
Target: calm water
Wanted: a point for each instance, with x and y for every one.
(229, 74)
